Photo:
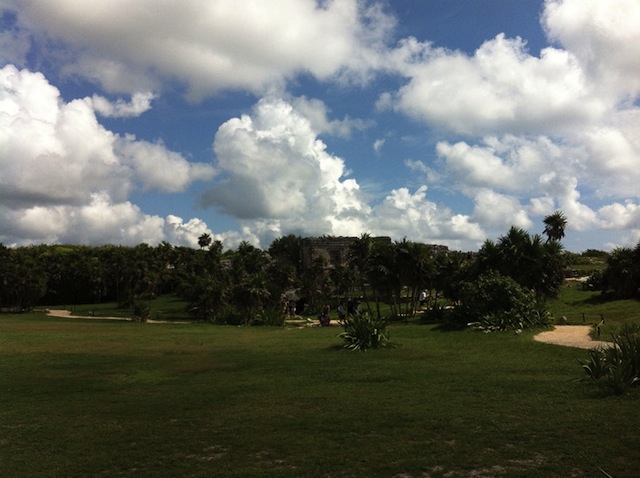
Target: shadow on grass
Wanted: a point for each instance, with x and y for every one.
(450, 327)
(593, 300)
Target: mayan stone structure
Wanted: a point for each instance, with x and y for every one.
(335, 250)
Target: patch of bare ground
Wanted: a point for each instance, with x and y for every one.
(68, 315)
(570, 336)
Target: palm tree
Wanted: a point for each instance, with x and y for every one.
(359, 259)
(416, 271)
(204, 240)
(531, 262)
(554, 225)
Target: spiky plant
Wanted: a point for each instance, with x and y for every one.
(362, 332)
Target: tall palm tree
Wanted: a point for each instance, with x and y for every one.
(204, 240)
(554, 226)
(359, 258)
(531, 262)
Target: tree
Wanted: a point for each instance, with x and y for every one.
(204, 240)
(416, 270)
(527, 259)
(554, 226)
(621, 278)
(497, 302)
(24, 279)
(359, 258)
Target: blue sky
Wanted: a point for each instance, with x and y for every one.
(441, 121)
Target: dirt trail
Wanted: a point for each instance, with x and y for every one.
(67, 314)
(570, 336)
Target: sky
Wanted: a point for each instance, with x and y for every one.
(439, 121)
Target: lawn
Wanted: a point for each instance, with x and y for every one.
(98, 398)
(588, 307)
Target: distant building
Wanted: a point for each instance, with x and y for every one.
(335, 250)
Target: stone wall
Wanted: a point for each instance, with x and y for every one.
(335, 250)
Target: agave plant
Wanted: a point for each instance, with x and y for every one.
(361, 332)
(597, 366)
(617, 367)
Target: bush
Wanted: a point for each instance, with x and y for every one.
(272, 316)
(616, 368)
(496, 302)
(436, 314)
(231, 315)
(362, 332)
(141, 311)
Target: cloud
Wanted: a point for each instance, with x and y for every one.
(511, 163)
(611, 155)
(274, 167)
(278, 178)
(14, 46)
(500, 211)
(176, 231)
(140, 102)
(317, 113)
(247, 45)
(500, 88)
(158, 168)
(603, 36)
(98, 222)
(519, 133)
(512, 178)
(413, 216)
(620, 216)
(64, 177)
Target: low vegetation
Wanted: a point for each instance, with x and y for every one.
(363, 332)
(617, 367)
(495, 302)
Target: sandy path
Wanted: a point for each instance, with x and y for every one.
(67, 314)
(570, 336)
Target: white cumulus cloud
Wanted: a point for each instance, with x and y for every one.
(604, 36)
(274, 167)
(500, 88)
(212, 46)
(66, 178)
(140, 102)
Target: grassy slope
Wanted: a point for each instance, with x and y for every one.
(81, 398)
(574, 302)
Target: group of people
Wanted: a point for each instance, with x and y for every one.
(343, 311)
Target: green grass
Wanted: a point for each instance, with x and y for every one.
(87, 398)
(585, 307)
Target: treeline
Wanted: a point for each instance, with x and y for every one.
(248, 285)
(503, 285)
(248, 277)
(621, 278)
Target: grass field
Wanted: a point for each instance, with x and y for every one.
(98, 398)
(586, 307)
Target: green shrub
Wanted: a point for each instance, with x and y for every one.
(231, 315)
(435, 314)
(141, 311)
(361, 332)
(271, 316)
(496, 302)
(617, 367)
